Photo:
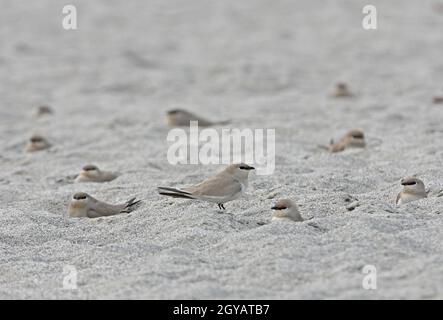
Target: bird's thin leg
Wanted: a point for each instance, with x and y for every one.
(222, 209)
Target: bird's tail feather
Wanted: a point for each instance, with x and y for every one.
(130, 205)
(173, 190)
(176, 195)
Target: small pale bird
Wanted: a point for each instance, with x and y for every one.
(37, 143)
(227, 185)
(341, 90)
(84, 205)
(354, 138)
(286, 209)
(181, 118)
(413, 189)
(91, 173)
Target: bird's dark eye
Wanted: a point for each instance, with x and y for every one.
(79, 197)
(173, 111)
(357, 135)
(89, 168)
(36, 139)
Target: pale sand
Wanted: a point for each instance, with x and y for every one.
(264, 64)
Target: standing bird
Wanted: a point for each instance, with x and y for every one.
(91, 173)
(181, 118)
(83, 205)
(227, 185)
(37, 143)
(286, 209)
(413, 189)
(354, 138)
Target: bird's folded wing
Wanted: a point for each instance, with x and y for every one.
(218, 186)
(93, 214)
(104, 209)
(203, 122)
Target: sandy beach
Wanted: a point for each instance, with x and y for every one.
(264, 65)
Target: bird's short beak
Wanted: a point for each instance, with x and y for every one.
(251, 168)
(275, 208)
